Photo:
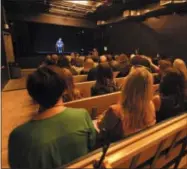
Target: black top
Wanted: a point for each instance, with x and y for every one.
(99, 89)
(92, 74)
(170, 106)
(123, 70)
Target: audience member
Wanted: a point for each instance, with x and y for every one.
(104, 81)
(55, 136)
(70, 93)
(180, 65)
(135, 111)
(163, 66)
(170, 101)
(92, 74)
(123, 65)
(64, 63)
(88, 64)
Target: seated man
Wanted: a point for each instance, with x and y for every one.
(57, 134)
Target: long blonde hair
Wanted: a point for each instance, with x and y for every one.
(137, 94)
(180, 65)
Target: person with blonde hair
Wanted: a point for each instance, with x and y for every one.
(70, 93)
(180, 65)
(135, 111)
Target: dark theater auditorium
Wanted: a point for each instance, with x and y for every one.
(96, 84)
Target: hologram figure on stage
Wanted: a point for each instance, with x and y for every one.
(59, 46)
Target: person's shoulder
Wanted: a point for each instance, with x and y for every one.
(77, 111)
(20, 131)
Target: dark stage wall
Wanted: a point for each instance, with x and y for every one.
(166, 35)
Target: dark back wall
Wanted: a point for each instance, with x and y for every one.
(166, 35)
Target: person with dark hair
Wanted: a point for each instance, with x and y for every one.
(50, 60)
(56, 135)
(70, 93)
(104, 81)
(170, 101)
(163, 66)
(123, 65)
(65, 63)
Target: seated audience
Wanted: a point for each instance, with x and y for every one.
(123, 65)
(55, 136)
(65, 63)
(163, 66)
(50, 60)
(140, 60)
(135, 111)
(104, 81)
(88, 64)
(170, 101)
(70, 93)
(92, 74)
(180, 65)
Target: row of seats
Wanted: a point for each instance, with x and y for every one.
(161, 146)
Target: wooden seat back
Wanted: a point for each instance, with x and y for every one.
(161, 146)
(101, 103)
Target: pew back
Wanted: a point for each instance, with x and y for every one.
(101, 103)
(161, 146)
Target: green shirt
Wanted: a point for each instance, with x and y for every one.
(52, 142)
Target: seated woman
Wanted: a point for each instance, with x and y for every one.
(180, 65)
(105, 82)
(55, 136)
(88, 64)
(135, 111)
(70, 93)
(170, 101)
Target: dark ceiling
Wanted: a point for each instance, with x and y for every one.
(92, 10)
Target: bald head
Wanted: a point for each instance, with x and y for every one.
(103, 59)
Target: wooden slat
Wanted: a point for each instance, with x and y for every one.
(125, 150)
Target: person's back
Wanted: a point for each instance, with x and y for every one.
(56, 135)
(51, 142)
(104, 81)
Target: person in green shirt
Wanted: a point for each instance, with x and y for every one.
(57, 134)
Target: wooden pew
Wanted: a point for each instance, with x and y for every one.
(161, 146)
(101, 103)
(85, 87)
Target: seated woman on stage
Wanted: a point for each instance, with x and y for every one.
(70, 93)
(135, 111)
(55, 136)
(104, 81)
(170, 101)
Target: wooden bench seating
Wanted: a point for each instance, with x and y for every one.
(161, 146)
(18, 84)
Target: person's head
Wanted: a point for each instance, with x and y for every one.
(164, 65)
(139, 60)
(104, 74)
(172, 83)
(64, 63)
(136, 95)
(54, 58)
(60, 39)
(109, 58)
(180, 65)
(122, 58)
(102, 59)
(46, 86)
(88, 64)
(68, 78)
